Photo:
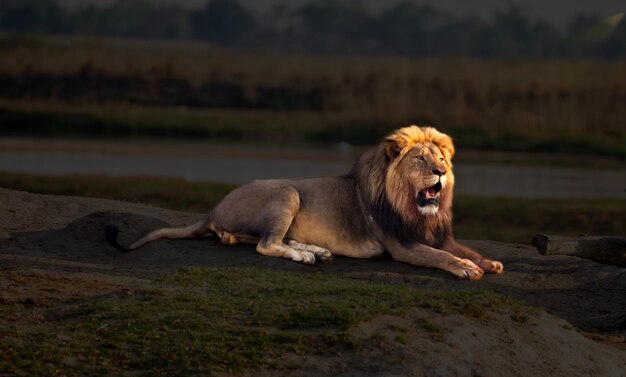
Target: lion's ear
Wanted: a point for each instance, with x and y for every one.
(445, 144)
(443, 141)
(447, 149)
(392, 149)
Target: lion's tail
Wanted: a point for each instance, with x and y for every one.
(196, 229)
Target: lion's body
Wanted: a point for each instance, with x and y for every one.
(397, 198)
(324, 212)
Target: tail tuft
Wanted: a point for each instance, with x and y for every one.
(110, 234)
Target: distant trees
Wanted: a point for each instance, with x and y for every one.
(125, 18)
(615, 46)
(131, 18)
(40, 16)
(222, 21)
(332, 25)
(329, 27)
(410, 29)
(591, 35)
(512, 33)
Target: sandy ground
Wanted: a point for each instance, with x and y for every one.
(52, 248)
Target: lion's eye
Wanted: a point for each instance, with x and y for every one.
(420, 158)
(441, 159)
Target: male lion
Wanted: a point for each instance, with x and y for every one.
(397, 198)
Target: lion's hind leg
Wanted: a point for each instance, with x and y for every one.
(261, 213)
(273, 247)
(232, 238)
(320, 253)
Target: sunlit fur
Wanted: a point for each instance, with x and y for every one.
(392, 186)
(408, 137)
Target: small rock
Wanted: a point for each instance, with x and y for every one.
(32, 302)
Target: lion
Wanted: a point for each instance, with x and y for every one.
(397, 199)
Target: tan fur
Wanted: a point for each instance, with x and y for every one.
(397, 198)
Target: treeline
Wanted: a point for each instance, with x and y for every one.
(329, 27)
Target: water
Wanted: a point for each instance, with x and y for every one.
(473, 179)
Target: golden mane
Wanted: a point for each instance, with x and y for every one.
(405, 138)
(396, 212)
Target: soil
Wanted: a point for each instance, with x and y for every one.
(52, 248)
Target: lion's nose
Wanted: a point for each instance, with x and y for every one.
(439, 171)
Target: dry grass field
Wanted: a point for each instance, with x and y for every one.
(571, 106)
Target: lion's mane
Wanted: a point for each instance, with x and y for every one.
(391, 201)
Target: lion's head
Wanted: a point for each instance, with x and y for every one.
(408, 184)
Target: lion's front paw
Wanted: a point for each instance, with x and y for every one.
(491, 266)
(466, 269)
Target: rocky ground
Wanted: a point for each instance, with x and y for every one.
(52, 249)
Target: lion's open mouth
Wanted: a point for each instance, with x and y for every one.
(429, 196)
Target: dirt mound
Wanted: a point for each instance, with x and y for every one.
(53, 248)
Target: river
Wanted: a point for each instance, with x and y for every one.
(236, 168)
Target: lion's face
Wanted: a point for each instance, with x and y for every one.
(425, 169)
(419, 177)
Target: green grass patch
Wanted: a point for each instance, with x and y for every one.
(608, 144)
(173, 193)
(499, 219)
(518, 220)
(207, 320)
(436, 331)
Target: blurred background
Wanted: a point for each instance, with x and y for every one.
(174, 103)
